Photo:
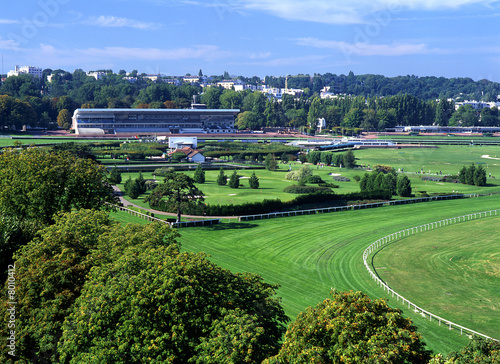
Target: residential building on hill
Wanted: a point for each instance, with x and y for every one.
(29, 70)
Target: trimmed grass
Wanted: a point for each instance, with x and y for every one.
(452, 272)
(309, 255)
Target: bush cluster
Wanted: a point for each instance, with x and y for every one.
(473, 175)
(305, 189)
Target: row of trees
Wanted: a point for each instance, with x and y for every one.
(368, 111)
(386, 179)
(472, 175)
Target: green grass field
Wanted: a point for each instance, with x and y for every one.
(452, 272)
(309, 255)
(446, 159)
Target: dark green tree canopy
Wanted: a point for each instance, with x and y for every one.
(178, 191)
(351, 328)
(35, 184)
(149, 306)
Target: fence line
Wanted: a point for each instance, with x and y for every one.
(172, 224)
(375, 246)
(351, 207)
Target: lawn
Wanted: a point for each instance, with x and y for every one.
(309, 255)
(452, 272)
(446, 159)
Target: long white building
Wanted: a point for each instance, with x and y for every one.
(29, 70)
(154, 121)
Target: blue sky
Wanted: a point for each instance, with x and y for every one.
(450, 38)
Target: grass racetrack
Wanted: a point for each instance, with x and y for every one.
(309, 255)
(453, 272)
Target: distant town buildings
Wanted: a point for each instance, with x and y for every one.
(28, 70)
(97, 74)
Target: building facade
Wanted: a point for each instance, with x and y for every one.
(154, 121)
(29, 70)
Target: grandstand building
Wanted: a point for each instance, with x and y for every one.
(154, 121)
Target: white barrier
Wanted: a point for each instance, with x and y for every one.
(375, 246)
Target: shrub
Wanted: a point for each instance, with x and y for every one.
(303, 173)
(150, 184)
(342, 178)
(356, 177)
(314, 179)
(305, 189)
(432, 178)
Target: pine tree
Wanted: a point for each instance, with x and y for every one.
(221, 178)
(234, 181)
(254, 181)
(271, 163)
(404, 186)
(199, 174)
(115, 176)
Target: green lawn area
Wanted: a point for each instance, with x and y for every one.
(452, 272)
(309, 255)
(445, 159)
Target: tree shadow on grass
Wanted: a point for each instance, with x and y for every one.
(232, 225)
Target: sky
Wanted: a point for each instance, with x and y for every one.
(449, 38)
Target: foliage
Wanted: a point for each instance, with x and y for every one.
(305, 189)
(314, 179)
(253, 181)
(378, 180)
(404, 186)
(302, 174)
(115, 176)
(50, 272)
(150, 305)
(349, 159)
(271, 163)
(478, 350)
(472, 175)
(199, 174)
(351, 328)
(178, 191)
(163, 171)
(234, 180)
(314, 157)
(221, 178)
(36, 184)
(64, 119)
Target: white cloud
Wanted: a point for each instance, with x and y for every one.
(155, 54)
(9, 44)
(117, 22)
(9, 21)
(367, 49)
(343, 12)
(290, 61)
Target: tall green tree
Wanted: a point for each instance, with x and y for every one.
(36, 184)
(178, 190)
(115, 176)
(221, 177)
(64, 119)
(271, 163)
(253, 181)
(403, 186)
(152, 305)
(351, 328)
(199, 174)
(349, 159)
(234, 180)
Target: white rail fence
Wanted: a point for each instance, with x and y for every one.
(377, 245)
(323, 210)
(172, 224)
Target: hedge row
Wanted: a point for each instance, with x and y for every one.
(305, 189)
(267, 206)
